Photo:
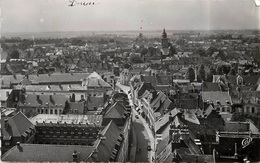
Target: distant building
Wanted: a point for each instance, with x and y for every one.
(125, 77)
(221, 101)
(164, 39)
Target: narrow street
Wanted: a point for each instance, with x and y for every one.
(143, 133)
(142, 141)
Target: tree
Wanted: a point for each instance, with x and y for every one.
(201, 52)
(172, 50)
(232, 71)
(190, 74)
(242, 72)
(73, 98)
(220, 70)
(225, 69)
(144, 51)
(211, 50)
(210, 74)
(135, 59)
(202, 74)
(14, 54)
(180, 42)
(222, 55)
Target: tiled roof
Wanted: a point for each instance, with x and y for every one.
(116, 111)
(105, 146)
(46, 153)
(215, 97)
(237, 126)
(94, 80)
(164, 80)
(18, 124)
(92, 102)
(149, 79)
(187, 156)
(163, 120)
(30, 100)
(3, 95)
(143, 87)
(77, 107)
(189, 116)
(208, 86)
(189, 103)
(45, 78)
(68, 118)
(50, 88)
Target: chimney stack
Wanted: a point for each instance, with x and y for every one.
(75, 156)
(6, 123)
(51, 98)
(7, 94)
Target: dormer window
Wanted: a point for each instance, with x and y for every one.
(218, 102)
(228, 102)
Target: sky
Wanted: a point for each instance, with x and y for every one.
(110, 15)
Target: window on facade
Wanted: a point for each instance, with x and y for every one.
(7, 143)
(56, 111)
(72, 133)
(223, 109)
(46, 111)
(247, 109)
(228, 109)
(51, 112)
(218, 109)
(253, 109)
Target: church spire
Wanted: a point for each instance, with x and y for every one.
(164, 39)
(164, 34)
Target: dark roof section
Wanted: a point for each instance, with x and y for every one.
(17, 125)
(77, 107)
(33, 100)
(46, 153)
(208, 86)
(46, 79)
(117, 113)
(105, 146)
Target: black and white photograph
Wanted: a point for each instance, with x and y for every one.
(130, 81)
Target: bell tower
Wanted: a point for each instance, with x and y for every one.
(164, 39)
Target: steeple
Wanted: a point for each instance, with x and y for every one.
(164, 34)
(164, 39)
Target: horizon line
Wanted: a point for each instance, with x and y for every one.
(135, 30)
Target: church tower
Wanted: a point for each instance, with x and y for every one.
(164, 39)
